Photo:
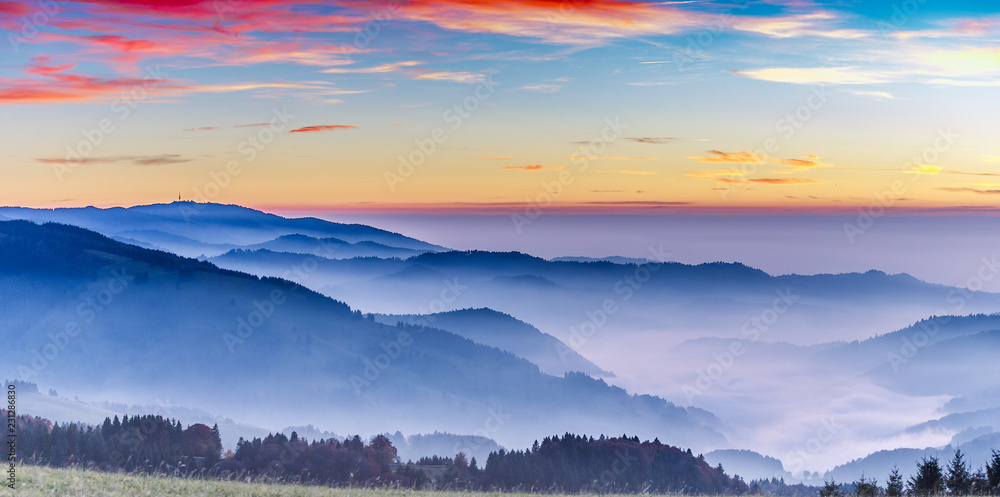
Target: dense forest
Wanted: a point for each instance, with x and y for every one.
(574, 463)
(139, 443)
(568, 463)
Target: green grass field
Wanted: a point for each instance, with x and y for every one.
(36, 481)
(33, 481)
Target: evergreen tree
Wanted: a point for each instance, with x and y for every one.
(865, 488)
(959, 479)
(215, 453)
(993, 474)
(894, 487)
(929, 479)
(830, 489)
(980, 485)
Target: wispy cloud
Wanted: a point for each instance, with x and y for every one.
(534, 167)
(588, 23)
(378, 69)
(818, 24)
(720, 157)
(411, 69)
(878, 95)
(158, 160)
(453, 76)
(56, 84)
(923, 169)
(52, 82)
(541, 88)
(716, 173)
(637, 203)
(812, 161)
(851, 75)
(576, 156)
(136, 160)
(627, 171)
(329, 127)
(654, 140)
(737, 177)
(969, 173)
(783, 181)
(724, 176)
(969, 190)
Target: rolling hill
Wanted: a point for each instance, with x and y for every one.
(109, 320)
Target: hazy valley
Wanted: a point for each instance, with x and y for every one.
(282, 323)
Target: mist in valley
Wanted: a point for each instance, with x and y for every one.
(348, 329)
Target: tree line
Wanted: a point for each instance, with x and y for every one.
(140, 443)
(566, 464)
(930, 479)
(570, 463)
(574, 463)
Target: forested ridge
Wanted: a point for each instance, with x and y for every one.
(569, 463)
(153, 444)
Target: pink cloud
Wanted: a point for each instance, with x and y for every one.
(309, 129)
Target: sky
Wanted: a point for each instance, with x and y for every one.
(503, 107)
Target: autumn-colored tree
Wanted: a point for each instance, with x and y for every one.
(199, 441)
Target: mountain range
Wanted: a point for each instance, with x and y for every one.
(355, 329)
(103, 318)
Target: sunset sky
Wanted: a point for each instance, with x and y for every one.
(462, 106)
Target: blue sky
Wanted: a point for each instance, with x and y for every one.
(760, 105)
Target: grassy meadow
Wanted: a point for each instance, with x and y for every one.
(36, 481)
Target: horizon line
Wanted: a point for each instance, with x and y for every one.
(531, 210)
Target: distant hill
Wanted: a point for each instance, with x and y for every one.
(678, 301)
(615, 259)
(88, 314)
(747, 464)
(332, 248)
(505, 332)
(879, 464)
(194, 229)
(413, 447)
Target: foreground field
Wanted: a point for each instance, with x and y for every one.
(38, 481)
(35, 481)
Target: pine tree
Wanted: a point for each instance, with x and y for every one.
(959, 479)
(993, 473)
(980, 485)
(865, 488)
(830, 489)
(929, 479)
(894, 487)
(215, 452)
(106, 428)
